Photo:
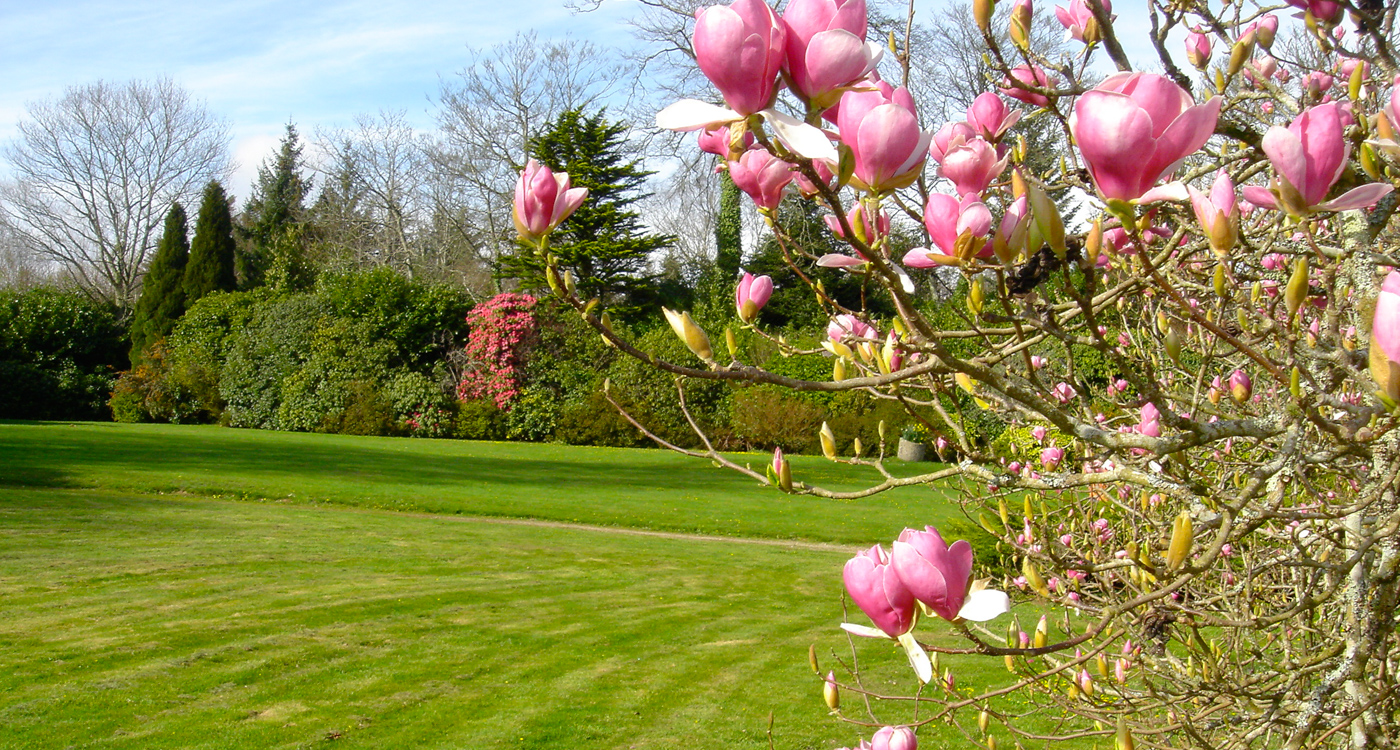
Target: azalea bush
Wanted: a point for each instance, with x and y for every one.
(1192, 356)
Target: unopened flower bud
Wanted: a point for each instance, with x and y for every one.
(830, 693)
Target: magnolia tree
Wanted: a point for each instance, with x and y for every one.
(1204, 547)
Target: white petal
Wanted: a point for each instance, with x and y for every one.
(1172, 191)
(904, 280)
(693, 114)
(863, 631)
(919, 660)
(984, 605)
(800, 138)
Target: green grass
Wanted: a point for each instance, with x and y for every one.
(136, 619)
(649, 489)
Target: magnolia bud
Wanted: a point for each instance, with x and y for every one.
(1180, 545)
(731, 342)
(812, 659)
(828, 440)
(982, 13)
(830, 693)
(857, 448)
(1296, 293)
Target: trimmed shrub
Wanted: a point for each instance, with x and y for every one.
(59, 354)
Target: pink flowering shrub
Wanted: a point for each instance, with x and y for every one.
(501, 331)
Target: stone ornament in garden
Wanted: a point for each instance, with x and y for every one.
(1178, 277)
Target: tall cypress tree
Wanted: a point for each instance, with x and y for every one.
(211, 252)
(273, 218)
(603, 242)
(162, 299)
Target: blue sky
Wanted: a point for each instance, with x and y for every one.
(260, 63)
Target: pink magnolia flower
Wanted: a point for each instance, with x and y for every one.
(1149, 421)
(972, 166)
(741, 48)
(715, 140)
(872, 584)
(958, 230)
(806, 186)
(1327, 11)
(1063, 392)
(826, 47)
(894, 738)
(948, 137)
(1136, 128)
(762, 175)
(849, 326)
(751, 295)
(1317, 83)
(882, 130)
(989, 116)
(1385, 325)
(1308, 156)
(1218, 213)
(1264, 30)
(1240, 386)
(1051, 457)
(1017, 85)
(1037, 362)
(939, 575)
(1198, 47)
(1079, 20)
(1039, 432)
(855, 218)
(542, 200)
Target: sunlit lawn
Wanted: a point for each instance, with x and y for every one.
(144, 620)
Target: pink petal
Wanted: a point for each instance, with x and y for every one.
(1285, 152)
(1362, 197)
(1259, 196)
(1114, 134)
(836, 260)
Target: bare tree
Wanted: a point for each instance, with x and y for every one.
(96, 169)
(490, 110)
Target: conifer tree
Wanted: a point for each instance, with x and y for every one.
(211, 251)
(272, 222)
(729, 252)
(603, 242)
(162, 299)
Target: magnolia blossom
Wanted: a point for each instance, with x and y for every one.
(1327, 11)
(1051, 457)
(989, 116)
(939, 576)
(762, 175)
(751, 295)
(741, 48)
(894, 738)
(1078, 19)
(849, 326)
(826, 47)
(873, 586)
(972, 166)
(542, 200)
(958, 230)
(1021, 79)
(1149, 421)
(1308, 157)
(716, 140)
(1218, 213)
(948, 137)
(1241, 387)
(882, 130)
(1385, 337)
(1136, 128)
(855, 218)
(1198, 48)
(1063, 392)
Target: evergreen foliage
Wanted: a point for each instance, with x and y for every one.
(212, 251)
(273, 221)
(162, 299)
(729, 255)
(603, 242)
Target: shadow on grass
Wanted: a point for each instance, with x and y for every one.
(60, 454)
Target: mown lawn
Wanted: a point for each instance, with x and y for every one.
(649, 489)
(135, 619)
